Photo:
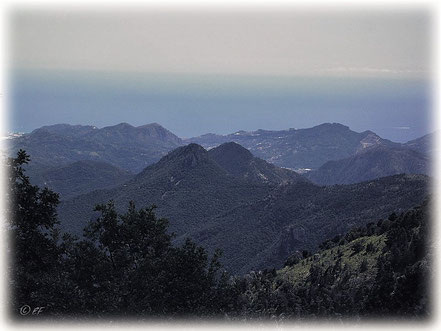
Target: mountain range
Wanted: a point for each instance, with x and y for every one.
(303, 148)
(123, 145)
(129, 148)
(133, 148)
(424, 144)
(256, 213)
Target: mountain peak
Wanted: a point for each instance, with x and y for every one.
(190, 154)
(159, 132)
(331, 126)
(232, 149)
(232, 157)
(150, 125)
(239, 162)
(192, 148)
(190, 159)
(118, 127)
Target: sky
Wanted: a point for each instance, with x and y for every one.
(197, 71)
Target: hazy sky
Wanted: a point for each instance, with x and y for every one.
(274, 42)
(199, 71)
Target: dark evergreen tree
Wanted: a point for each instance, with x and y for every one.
(33, 237)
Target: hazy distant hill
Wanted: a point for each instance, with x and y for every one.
(124, 146)
(256, 223)
(67, 130)
(302, 148)
(373, 163)
(79, 177)
(424, 144)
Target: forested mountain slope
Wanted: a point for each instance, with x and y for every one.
(301, 215)
(187, 185)
(79, 177)
(373, 163)
(257, 223)
(381, 270)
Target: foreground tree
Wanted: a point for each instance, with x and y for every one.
(139, 269)
(33, 237)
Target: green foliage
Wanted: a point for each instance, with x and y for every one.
(32, 220)
(137, 270)
(390, 279)
(364, 265)
(357, 247)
